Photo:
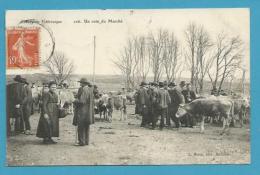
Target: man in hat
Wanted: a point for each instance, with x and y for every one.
(176, 99)
(149, 106)
(15, 99)
(189, 96)
(142, 98)
(154, 99)
(27, 107)
(182, 85)
(188, 93)
(84, 111)
(164, 101)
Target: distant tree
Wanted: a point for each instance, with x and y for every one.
(127, 64)
(156, 51)
(204, 60)
(143, 58)
(60, 67)
(226, 60)
(171, 57)
(191, 33)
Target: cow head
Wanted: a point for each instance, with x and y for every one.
(181, 111)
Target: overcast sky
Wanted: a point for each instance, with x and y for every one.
(76, 39)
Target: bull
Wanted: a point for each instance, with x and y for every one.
(209, 107)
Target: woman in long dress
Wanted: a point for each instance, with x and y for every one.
(48, 126)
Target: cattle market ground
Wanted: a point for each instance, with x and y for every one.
(125, 143)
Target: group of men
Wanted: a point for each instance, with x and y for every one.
(162, 100)
(19, 105)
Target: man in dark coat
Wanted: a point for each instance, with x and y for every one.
(154, 99)
(15, 99)
(142, 101)
(176, 99)
(85, 113)
(163, 102)
(27, 107)
(189, 96)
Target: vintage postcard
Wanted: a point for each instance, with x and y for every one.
(128, 87)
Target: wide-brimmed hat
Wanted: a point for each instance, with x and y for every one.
(182, 83)
(143, 83)
(18, 78)
(84, 81)
(171, 84)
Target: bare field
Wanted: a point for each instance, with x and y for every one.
(125, 143)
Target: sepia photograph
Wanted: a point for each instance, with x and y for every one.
(128, 87)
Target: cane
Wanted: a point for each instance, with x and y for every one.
(76, 134)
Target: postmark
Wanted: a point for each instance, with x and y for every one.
(22, 47)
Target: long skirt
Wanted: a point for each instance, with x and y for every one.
(48, 128)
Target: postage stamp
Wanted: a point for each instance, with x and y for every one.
(22, 47)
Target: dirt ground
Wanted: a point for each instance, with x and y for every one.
(126, 143)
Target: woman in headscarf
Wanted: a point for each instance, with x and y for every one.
(48, 126)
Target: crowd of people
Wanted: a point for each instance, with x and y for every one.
(153, 101)
(20, 107)
(161, 101)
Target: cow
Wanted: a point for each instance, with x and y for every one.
(66, 98)
(130, 97)
(209, 107)
(104, 107)
(36, 95)
(120, 104)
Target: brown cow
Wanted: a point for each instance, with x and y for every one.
(209, 107)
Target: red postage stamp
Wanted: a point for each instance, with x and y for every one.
(22, 47)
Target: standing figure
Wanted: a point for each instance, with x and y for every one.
(142, 101)
(149, 104)
(15, 98)
(110, 106)
(123, 93)
(48, 125)
(96, 92)
(154, 98)
(164, 101)
(176, 99)
(85, 111)
(27, 107)
(189, 96)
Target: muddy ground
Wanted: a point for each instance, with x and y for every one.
(125, 143)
